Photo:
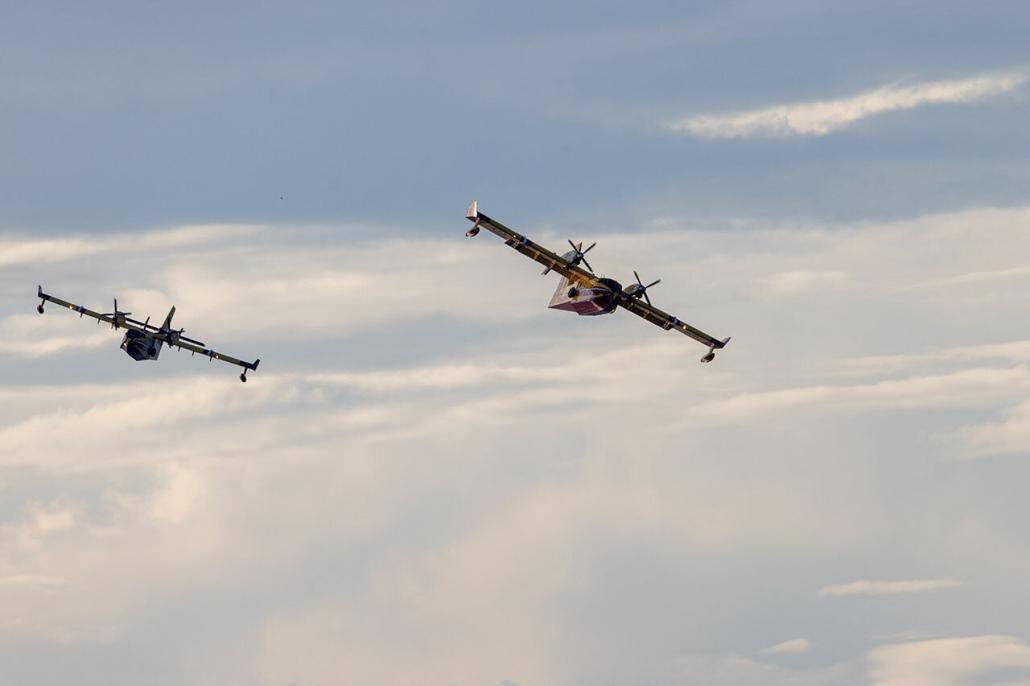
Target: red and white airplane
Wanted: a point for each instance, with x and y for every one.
(584, 293)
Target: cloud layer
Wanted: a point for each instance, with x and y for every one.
(434, 479)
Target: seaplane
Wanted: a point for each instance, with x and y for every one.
(143, 340)
(583, 292)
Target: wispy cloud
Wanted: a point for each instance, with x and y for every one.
(22, 581)
(28, 335)
(19, 250)
(1008, 436)
(820, 117)
(888, 587)
(797, 646)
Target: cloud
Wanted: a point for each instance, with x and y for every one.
(185, 488)
(787, 283)
(966, 388)
(479, 467)
(1009, 436)
(30, 581)
(951, 662)
(797, 646)
(15, 250)
(819, 118)
(29, 335)
(888, 587)
(1009, 352)
(737, 670)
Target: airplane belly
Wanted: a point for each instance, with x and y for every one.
(583, 301)
(140, 347)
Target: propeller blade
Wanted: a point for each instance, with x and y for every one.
(590, 248)
(638, 277)
(574, 245)
(652, 283)
(587, 264)
(647, 298)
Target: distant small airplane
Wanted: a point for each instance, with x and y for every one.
(584, 293)
(142, 340)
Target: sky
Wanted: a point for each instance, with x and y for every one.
(432, 479)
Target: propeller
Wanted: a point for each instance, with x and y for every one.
(117, 317)
(576, 255)
(638, 289)
(173, 336)
(579, 254)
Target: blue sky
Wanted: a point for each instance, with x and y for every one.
(121, 115)
(433, 479)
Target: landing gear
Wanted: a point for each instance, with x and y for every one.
(243, 377)
(573, 292)
(39, 308)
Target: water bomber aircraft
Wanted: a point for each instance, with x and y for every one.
(583, 292)
(143, 340)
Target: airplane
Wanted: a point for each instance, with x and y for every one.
(143, 340)
(586, 294)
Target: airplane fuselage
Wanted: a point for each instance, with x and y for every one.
(586, 301)
(141, 347)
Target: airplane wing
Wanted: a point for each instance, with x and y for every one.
(123, 322)
(178, 342)
(211, 354)
(667, 321)
(551, 260)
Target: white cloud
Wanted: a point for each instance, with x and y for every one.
(1010, 352)
(787, 283)
(950, 662)
(797, 646)
(186, 487)
(29, 335)
(737, 670)
(1005, 437)
(22, 581)
(18, 250)
(821, 117)
(888, 587)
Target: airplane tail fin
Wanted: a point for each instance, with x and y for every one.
(168, 319)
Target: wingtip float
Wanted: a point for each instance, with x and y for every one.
(143, 340)
(583, 292)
